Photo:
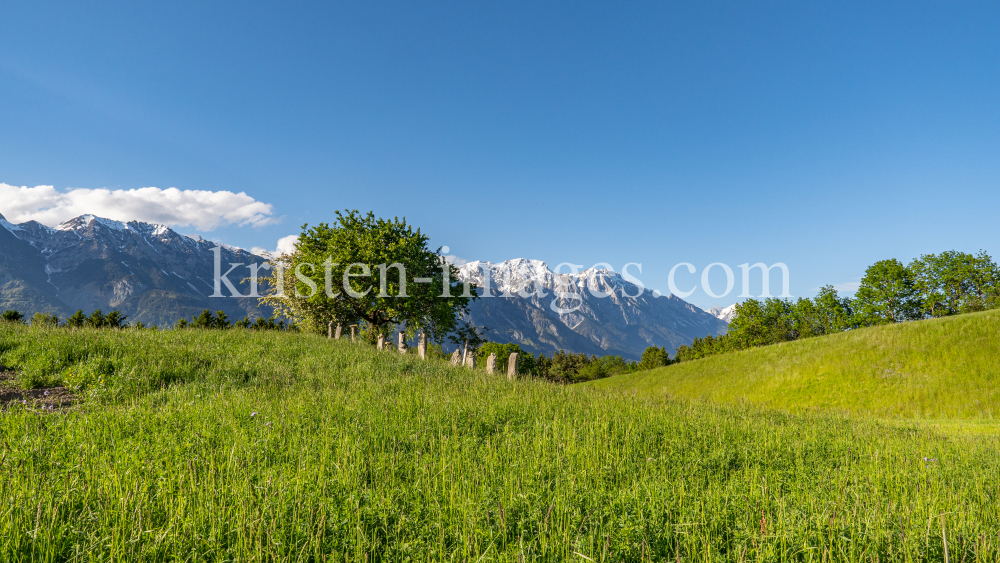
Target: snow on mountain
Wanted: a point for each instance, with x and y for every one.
(724, 314)
(593, 311)
(94, 263)
(90, 262)
(9, 226)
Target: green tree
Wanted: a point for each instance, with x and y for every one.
(270, 323)
(604, 366)
(984, 285)
(115, 319)
(45, 319)
(887, 294)
(706, 346)
(654, 357)
(468, 334)
(563, 367)
(77, 319)
(759, 323)
(955, 282)
(9, 316)
(206, 319)
(834, 312)
(352, 255)
(98, 319)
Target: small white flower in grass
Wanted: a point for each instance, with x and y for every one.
(268, 424)
(46, 393)
(253, 414)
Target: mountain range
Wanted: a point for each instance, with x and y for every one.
(157, 276)
(594, 311)
(148, 272)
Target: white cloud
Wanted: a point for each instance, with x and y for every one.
(847, 287)
(286, 245)
(455, 260)
(203, 210)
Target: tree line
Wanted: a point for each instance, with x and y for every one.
(933, 285)
(116, 320)
(96, 319)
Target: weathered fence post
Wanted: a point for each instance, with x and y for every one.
(337, 333)
(402, 343)
(465, 352)
(491, 363)
(329, 330)
(422, 346)
(456, 358)
(512, 367)
(381, 342)
(470, 361)
(354, 336)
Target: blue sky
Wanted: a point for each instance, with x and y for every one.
(824, 136)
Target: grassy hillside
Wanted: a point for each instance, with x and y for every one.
(943, 368)
(215, 446)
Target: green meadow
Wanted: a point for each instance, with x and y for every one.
(201, 445)
(946, 368)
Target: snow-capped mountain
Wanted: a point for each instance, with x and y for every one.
(149, 272)
(725, 314)
(155, 275)
(593, 311)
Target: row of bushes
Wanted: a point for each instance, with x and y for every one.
(570, 368)
(934, 285)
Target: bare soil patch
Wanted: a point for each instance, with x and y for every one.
(48, 399)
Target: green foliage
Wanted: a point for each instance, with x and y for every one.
(274, 446)
(9, 316)
(468, 334)
(270, 323)
(45, 319)
(206, 319)
(503, 352)
(340, 252)
(888, 294)
(77, 319)
(574, 368)
(946, 284)
(654, 357)
(954, 282)
(832, 312)
(436, 352)
(220, 321)
(702, 347)
(526, 363)
(98, 319)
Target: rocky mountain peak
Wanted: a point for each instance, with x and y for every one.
(594, 311)
(145, 270)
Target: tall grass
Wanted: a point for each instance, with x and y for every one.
(939, 368)
(212, 446)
